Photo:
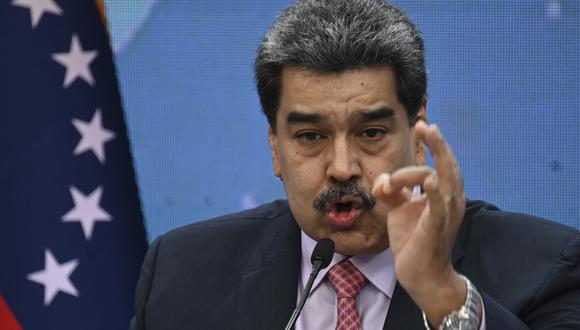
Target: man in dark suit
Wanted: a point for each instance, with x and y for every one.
(343, 84)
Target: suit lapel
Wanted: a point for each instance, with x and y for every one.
(403, 313)
(267, 294)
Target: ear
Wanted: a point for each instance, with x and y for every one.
(420, 147)
(273, 141)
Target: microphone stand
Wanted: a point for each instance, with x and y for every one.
(315, 270)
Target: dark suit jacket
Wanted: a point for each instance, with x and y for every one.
(241, 271)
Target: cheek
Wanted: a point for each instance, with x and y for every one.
(303, 181)
(388, 162)
(303, 176)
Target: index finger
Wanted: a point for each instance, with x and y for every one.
(445, 162)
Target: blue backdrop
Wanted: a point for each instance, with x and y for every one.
(503, 86)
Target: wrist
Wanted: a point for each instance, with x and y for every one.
(443, 297)
(468, 316)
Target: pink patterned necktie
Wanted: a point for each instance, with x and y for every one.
(348, 282)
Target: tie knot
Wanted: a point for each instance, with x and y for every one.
(346, 279)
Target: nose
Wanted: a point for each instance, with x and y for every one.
(344, 162)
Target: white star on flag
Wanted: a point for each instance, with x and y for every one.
(93, 136)
(38, 8)
(76, 62)
(55, 277)
(87, 210)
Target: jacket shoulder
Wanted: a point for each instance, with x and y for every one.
(513, 256)
(190, 270)
(235, 234)
(252, 219)
(487, 218)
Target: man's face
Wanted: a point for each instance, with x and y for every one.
(336, 132)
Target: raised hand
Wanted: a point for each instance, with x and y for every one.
(422, 228)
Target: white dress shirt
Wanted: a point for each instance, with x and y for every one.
(320, 311)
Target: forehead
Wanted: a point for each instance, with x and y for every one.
(338, 95)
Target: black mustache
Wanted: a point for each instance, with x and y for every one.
(344, 189)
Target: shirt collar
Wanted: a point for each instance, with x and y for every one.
(378, 268)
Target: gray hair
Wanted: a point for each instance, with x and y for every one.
(338, 35)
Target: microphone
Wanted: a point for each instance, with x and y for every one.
(321, 258)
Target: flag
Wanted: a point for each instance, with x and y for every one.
(71, 229)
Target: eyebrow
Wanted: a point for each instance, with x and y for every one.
(372, 115)
(296, 117)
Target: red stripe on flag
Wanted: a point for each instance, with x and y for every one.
(7, 320)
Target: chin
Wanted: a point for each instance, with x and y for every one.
(352, 243)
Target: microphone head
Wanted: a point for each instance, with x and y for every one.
(323, 251)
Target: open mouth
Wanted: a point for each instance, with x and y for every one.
(343, 207)
(343, 212)
(344, 204)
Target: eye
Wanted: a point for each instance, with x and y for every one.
(309, 136)
(373, 133)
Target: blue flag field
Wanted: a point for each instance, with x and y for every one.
(71, 229)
